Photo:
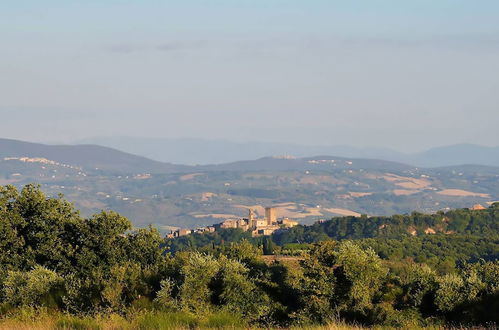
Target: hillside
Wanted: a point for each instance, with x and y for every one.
(87, 157)
(317, 163)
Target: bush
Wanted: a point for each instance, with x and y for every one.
(38, 287)
(386, 315)
(164, 296)
(450, 292)
(419, 285)
(237, 293)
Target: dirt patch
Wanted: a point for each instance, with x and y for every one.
(430, 231)
(407, 182)
(207, 195)
(461, 193)
(404, 192)
(359, 194)
(344, 196)
(410, 185)
(292, 210)
(189, 176)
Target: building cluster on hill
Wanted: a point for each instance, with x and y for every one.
(258, 226)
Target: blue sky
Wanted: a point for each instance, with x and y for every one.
(400, 74)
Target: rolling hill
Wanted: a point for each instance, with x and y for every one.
(88, 157)
(317, 163)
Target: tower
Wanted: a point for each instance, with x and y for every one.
(270, 215)
(250, 217)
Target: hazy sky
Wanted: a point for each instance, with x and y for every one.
(391, 73)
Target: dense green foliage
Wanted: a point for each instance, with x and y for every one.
(102, 264)
(52, 258)
(441, 240)
(464, 221)
(441, 252)
(200, 240)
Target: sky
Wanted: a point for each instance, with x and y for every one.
(407, 75)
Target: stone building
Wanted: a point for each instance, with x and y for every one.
(182, 232)
(257, 226)
(288, 223)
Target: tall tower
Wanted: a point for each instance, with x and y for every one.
(270, 215)
(250, 217)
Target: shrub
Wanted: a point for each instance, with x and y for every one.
(38, 287)
(450, 292)
(197, 272)
(237, 293)
(164, 296)
(421, 281)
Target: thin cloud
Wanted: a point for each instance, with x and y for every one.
(128, 48)
(125, 48)
(174, 46)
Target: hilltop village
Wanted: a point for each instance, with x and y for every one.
(258, 226)
(267, 225)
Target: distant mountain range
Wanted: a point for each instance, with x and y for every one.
(199, 151)
(458, 154)
(95, 158)
(108, 159)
